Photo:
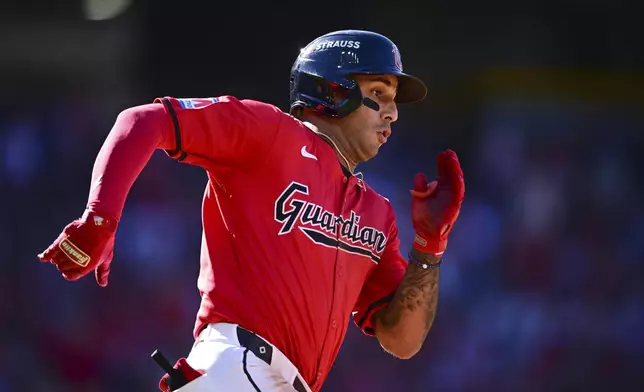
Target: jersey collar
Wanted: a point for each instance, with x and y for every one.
(313, 129)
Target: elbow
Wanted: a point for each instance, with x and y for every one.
(399, 347)
(148, 120)
(402, 351)
(403, 339)
(142, 115)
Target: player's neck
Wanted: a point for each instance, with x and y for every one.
(327, 134)
(343, 156)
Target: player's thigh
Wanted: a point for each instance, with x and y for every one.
(233, 368)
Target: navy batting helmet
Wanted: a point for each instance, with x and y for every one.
(321, 75)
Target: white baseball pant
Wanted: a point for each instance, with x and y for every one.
(238, 360)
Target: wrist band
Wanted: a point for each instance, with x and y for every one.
(422, 264)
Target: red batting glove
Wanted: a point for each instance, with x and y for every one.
(435, 206)
(188, 373)
(86, 244)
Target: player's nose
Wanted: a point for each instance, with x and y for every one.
(390, 113)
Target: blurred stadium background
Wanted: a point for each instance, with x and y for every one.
(541, 288)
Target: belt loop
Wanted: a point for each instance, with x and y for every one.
(258, 346)
(264, 351)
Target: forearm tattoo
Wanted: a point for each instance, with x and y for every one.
(418, 292)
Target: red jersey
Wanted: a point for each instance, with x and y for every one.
(293, 245)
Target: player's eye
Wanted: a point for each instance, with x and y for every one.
(377, 92)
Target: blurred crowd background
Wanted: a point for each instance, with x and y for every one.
(541, 288)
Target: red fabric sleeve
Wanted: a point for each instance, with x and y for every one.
(221, 132)
(136, 133)
(381, 285)
(206, 132)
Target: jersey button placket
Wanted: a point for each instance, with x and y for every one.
(339, 272)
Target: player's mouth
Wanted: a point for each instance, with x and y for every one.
(384, 135)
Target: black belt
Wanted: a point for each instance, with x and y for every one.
(262, 350)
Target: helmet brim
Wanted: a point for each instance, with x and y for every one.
(410, 89)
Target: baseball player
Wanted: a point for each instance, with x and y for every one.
(295, 244)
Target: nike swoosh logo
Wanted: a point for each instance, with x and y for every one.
(307, 154)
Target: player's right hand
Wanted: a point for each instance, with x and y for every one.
(85, 245)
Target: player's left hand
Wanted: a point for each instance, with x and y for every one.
(435, 206)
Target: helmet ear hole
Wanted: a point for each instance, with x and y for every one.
(338, 95)
(334, 92)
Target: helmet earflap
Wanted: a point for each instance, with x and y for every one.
(326, 97)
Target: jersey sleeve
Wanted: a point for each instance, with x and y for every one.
(381, 285)
(221, 131)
